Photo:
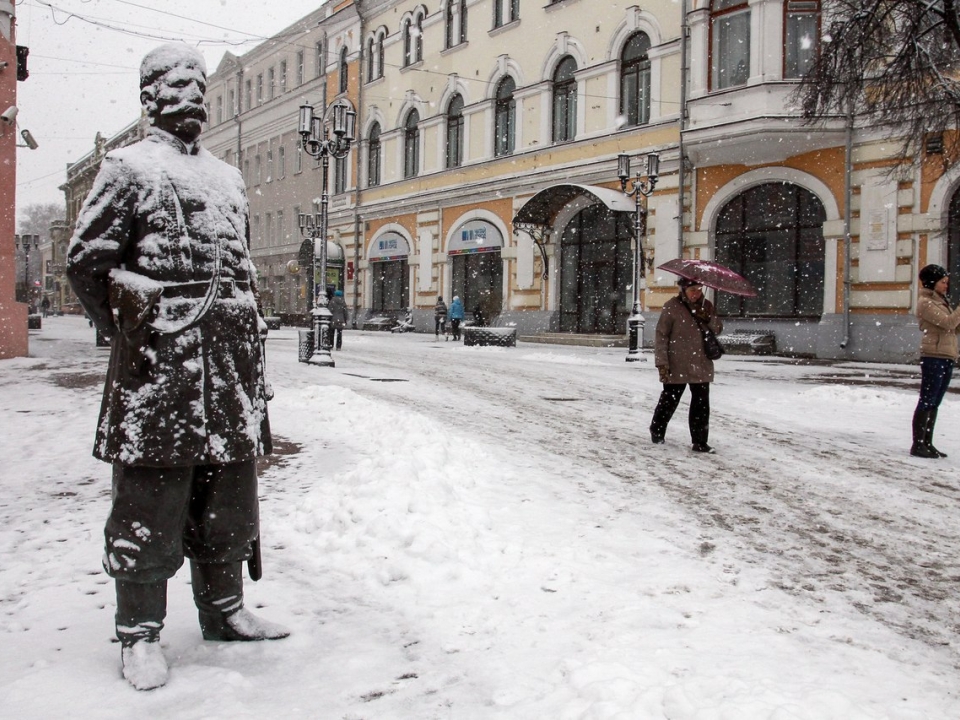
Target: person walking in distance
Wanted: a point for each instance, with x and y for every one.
(939, 325)
(160, 261)
(440, 318)
(338, 309)
(681, 361)
(456, 316)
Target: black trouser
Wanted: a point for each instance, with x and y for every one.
(455, 328)
(441, 326)
(208, 513)
(699, 418)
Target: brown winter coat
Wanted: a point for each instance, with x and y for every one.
(679, 345)
(165, 213)
(938, 324)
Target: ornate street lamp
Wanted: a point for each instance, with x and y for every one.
(318, 144)
(26, 243)
(641, 190)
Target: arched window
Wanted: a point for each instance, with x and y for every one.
(505, 118)
(730, 43)
(455, 132)
(772, 234)
(635, 81)
(802, 37)
(343, 70)
(418, 37)
(379, 49)
(373, 156)
(371, 63)
(565, 101)
(411, 145)
(407, 40)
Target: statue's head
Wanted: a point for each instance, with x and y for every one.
(173, 79)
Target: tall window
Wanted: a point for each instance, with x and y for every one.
(379, 49)
(272, 83)
(448, 28)
(298, 160)
(283, 76)
(411, 145)
(281, 230)
(505, 118)
(730, 40)
(802, 44)
(373, 156)
(565, 101)
(407, 44)
(772, 234)
(257, 170)
(281, 161)
(339, 175)
(248, 92)
(232, 103)
(269, 164)
(268, 229)
(219, 109)
(260, 89)
(321, 58)
(463, 21)
(371, 64)
(343, 70)
(300, 77)
(635, 81)
(455, 132)
(505, 11)
(417, 31)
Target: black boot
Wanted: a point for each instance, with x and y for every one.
(141, 608)
(929, 435)
(218, 593)
(922, 432)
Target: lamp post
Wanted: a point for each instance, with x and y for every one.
(318, 144)
(26, 243)
(640, 191)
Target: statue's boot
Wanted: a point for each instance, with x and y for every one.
(218, 593)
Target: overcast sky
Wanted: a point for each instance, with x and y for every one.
(84, 60)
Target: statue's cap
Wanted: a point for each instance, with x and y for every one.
(160, 60)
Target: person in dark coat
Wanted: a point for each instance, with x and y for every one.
(338, 311)
(160, 261)
(440, 318)
(939, 324)
(681, 361)
(456, 317)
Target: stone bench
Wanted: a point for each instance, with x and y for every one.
(746, 343)
(496, 336)
(273, 322)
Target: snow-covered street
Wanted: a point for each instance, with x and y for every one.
(488, 533)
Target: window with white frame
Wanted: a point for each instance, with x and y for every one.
(300, 69)
(407, 43)
(281, 161)
(802, 24)
(219, 109)
(411, 145)
(505, 118)
(321, 57)
(343, 72)
(260, 89)
(635, 81)
(339, 175)
(269, 164)
(281, 230)
(271, 83)
(373, 156)
(455, 132)
(298, 160)
(448, 28)
(371, 61)
(283, 76)
(505, 12)
(729, 43)
(417, 31)
(565, 101)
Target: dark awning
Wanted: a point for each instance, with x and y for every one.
(543, 207)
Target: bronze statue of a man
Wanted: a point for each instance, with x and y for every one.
(160, 261)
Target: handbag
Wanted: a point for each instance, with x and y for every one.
(712, 347)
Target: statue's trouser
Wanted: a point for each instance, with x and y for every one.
(207, 513)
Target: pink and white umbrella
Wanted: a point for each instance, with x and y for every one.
(711, 274)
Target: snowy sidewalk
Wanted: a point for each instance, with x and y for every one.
(429, 570)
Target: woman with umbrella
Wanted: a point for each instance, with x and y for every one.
(680, 351)
(681, 361)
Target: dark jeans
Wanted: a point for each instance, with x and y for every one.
(699, 417)
(935, 374)
(441, 326)
(455, 328)
(209, 513)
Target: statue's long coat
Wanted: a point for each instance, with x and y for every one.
(165, 212)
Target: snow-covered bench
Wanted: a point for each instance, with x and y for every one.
(741, 342)
(499, 336)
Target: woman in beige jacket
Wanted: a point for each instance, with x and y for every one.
(681, 361)
(938, 353)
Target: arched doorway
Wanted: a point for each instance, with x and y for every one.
(389, 273)
(953, 246)
(595, 270)
(772, 234)
(477, 268)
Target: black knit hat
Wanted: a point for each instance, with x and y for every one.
(931, 275)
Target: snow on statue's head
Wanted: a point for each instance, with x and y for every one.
(173, 79)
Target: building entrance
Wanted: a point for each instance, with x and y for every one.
(595, 268)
